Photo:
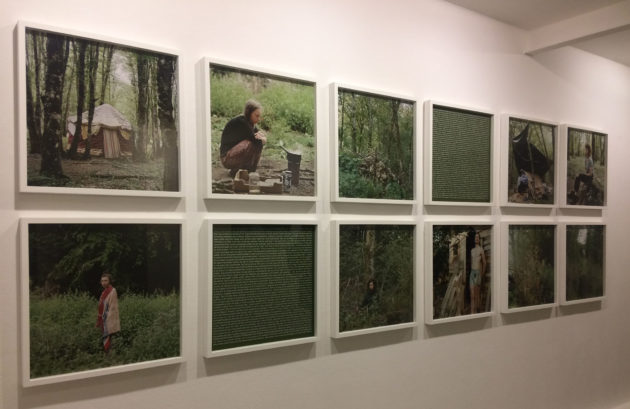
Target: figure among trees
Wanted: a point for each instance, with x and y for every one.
(461, 270)
(375, 275)
(586, 168)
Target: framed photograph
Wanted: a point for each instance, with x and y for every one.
(458, 155)
(261, 133)
(458, 272)
(373, 136)
(261, 286)
(374, 266)
(528, 162)
(585, 170)
(584, 264)
(99, 297)
(96, 115)
(529, 261)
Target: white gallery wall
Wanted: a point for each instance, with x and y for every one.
(564, 358)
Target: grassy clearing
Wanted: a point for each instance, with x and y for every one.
(64, 337)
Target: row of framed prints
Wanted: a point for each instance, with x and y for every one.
(105, 296)
(103, 116)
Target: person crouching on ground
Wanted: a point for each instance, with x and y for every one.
(108, 320)
(241, 141)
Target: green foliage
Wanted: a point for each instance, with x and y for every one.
(65, 258)
(381, 253)
(287, 106)
(377, 133)
(585, 262)
(531, 266)
(64, 337)
(228, 94)
(352, 183)
(290, 104)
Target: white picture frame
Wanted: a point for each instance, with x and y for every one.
(429, 106)
(25, 341)
(504, 275)
(562, 279)
(505, 161)
(429, 318)
(335, 277)
(209, 224)
(206, 106)
(334, 143)
(564, 159)
(24, 187)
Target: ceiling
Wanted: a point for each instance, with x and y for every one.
(604, 24)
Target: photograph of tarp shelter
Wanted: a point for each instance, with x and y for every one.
(111, 132)
(527, 156)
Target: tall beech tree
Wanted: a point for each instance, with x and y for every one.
(106, 67)
(80, 75)
(92, 70)
(33, 102)
(142, 112)
(166, 114)
(52, 101)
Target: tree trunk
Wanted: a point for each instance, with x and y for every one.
(353, 124)
(139, 153)
(92, 70)
(157, 139)
(369, 248)
(51, 160)
(33, 110)
(342, 115)
(66, 99)
(166, 112)
(80, 74)
(66, 55)
(108, 53)
(370, 117)
(395, 132)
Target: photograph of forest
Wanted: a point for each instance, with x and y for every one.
(462, 273)
(375, 141)
(531, 168)
(276, 136)
(376, 265)
(585, 261)
(102, 295)
(531, 265)
(586, 168)
(100, 115)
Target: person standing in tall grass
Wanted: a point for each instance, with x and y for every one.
(241, 141)
(108, 319)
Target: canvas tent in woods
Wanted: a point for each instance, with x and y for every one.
(110, 133)
(527, 156)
